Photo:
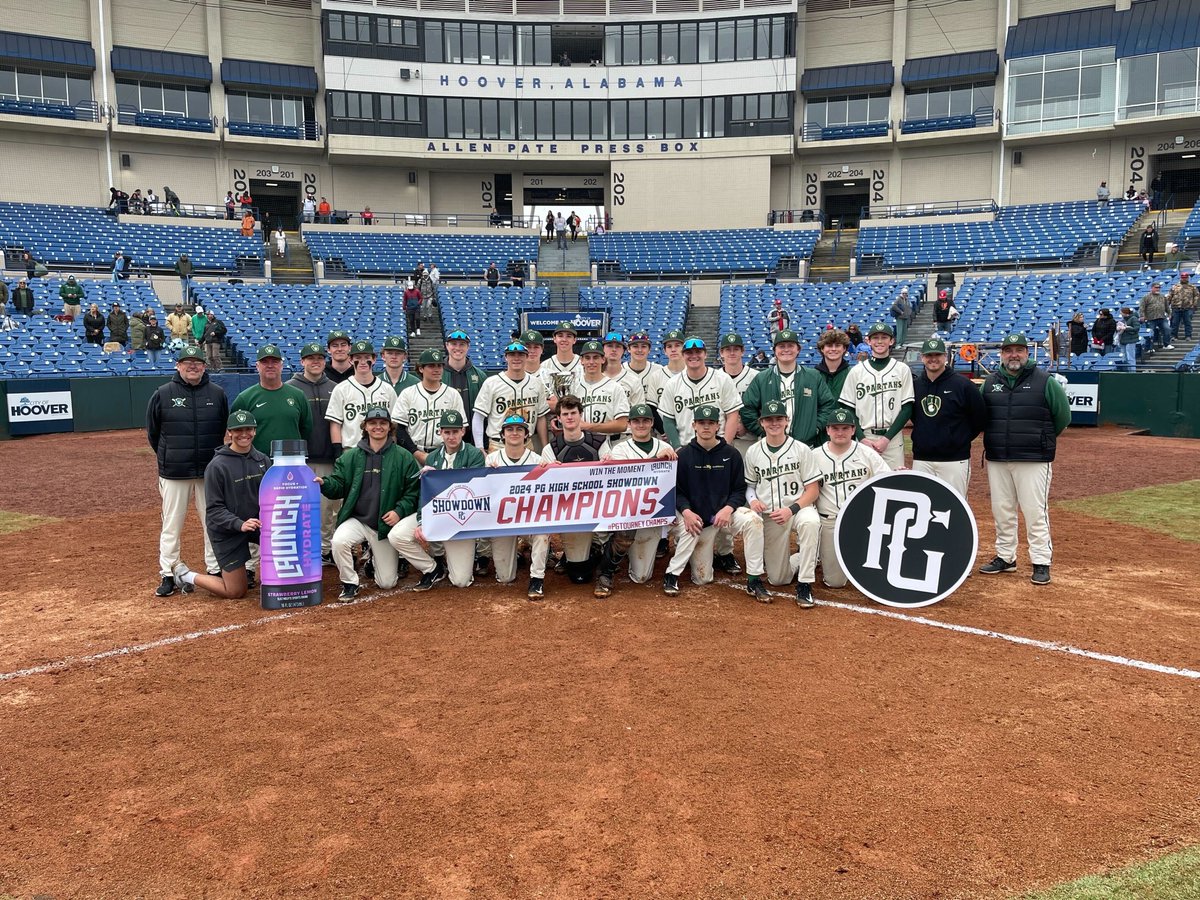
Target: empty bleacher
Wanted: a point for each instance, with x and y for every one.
(655, 310)
(489, 316)
(1189, 234)
(388, 253)
(730, 251)
(84, 236)
(1035, 234)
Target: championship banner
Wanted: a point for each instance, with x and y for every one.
(524, 500)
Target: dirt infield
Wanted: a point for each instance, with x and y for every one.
(472, 744)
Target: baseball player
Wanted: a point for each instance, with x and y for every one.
(515, 431)
(535, 344)
(844, 464)
(880, 391)
(710, 494)
(418, 409)
(698, 385)
(395, 355)
(605, 403)
(453, 558)
(801, 389)
(782, 485)
(560, 369)
(732, 349)
(652, 376)
(514, 392)
(615, 368)
(339, 368)
(460, 373)
(673, 350)
(640, 544)
(833, 345)
(312, 381)
(573, 444)
(352, 398)
(948, 415)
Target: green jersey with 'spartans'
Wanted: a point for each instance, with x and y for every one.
(282, 414)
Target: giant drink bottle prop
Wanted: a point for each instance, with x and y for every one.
(289, 503)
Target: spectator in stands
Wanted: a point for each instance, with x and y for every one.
(323, 211)
(573, 224)
(560, 231)
(1172, 256)
(184, 269)
(309, 210)
(230, 206)
(1182, 300)
(248, 224)
(118, 201)
(179, 325)
(1103, 194)
(492, 275)
(412, 308)
(1144, 199)
(435, 279)
(1153, 311)
(564, 60)
(118, 267)
(549, 226)
(72, 295)
(155, 338)
(280, 243)
(1131, 193)
(214, 335)
(137, 331)
(902, 311)
(495, 219)
(151, 202)
(1127, 337)
(1149, 245)
(30, 265)
(1156, 190)
(199, 320)
(1078, 337)
(944, 312)
(759, 360)
(3, 297)
(118, 325)
(22, 298)
(1104, 331)
(136, 202)
(172, 200)
(93, 325)
(247, 201)
(777, 317)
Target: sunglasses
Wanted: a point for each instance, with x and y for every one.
(693, 344)
(457, 336)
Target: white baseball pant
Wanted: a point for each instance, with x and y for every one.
(1023, 486)
(460, 555)
(957, 474)
(504, 557)
(384, 558)
(175, 494)
(698, 549)
(831, 570)
(782, 565)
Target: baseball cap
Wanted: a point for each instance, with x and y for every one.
(458, 335)
(693, 343)
(313, 349)
(1016, 339)
(431, 357)
(904, 290)
(614, 337)
(787, 336)
(706, 413)
(943, 294)
(269, 351)
(532, 337)
(842, 417)
(733, 339)
(516, 347)
(565, 327)
(640, 411)
(1185, 274)
(774, 409)
(337, 335)
(241, 419)
(394, 342)
(376, 412)
(514, 420)
(933, 345)
(451, 418)
(881, 328)
(673, 335)
(592, 347)
(190, 353)
(639, 337)
(361, 348)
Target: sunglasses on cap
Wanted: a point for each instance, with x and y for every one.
(457, 335)
(693, 344)
(614, 337)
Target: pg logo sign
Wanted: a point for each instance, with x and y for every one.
(906, 539)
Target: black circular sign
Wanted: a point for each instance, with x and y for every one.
(906, 539)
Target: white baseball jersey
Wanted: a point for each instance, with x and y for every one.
(350, 401)
(681, 396)
(780, 474)
(501, 397)
(418, 410)
(602, 401)
(877, 395)
(499, 458)
(654, 378)
(742, 379)
(840, 475)
(552, 372)
(632, 384)
(627, 449)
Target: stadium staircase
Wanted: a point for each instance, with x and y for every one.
(922, 327)
(1169, 223)
(298, 267)
(564, 272)
(704, 322)
(832, 255)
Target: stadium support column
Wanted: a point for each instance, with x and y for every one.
(102, 26)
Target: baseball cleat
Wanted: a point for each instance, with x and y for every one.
(167, 587)
(1041, 575)
(603, 587)
(756, 589)
(671, 585)
(432, 577)
(536, 590)
(402, 569)
(728, 564)
(327, 559)
(804, 597)
(661, 550)
(349, 592)
(481, 565)
(998, 566)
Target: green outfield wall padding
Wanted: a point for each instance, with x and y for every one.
(140, 390)
(4, 432)
(100, 404)
(1164, 404)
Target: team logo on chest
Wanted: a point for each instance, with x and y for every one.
(179, 402)
(931, 405)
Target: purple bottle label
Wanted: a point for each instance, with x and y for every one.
(289, 502)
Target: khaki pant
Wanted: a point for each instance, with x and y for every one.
(175, 493)
(640, 546)
(504, 557)
(832, 574)
(350, 534)
(459, 555)
(1023, 487)
(782, 565)
(698, 549)
(957, 474)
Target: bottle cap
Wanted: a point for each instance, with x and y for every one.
(289, 448)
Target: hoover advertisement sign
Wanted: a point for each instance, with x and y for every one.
(39, 407)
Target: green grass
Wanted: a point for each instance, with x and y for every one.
(1165, 508)
(1174, 877)
(12, 522)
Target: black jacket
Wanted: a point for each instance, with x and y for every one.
(320, 447)
(707, 480)
(22, 300)
(231, 496)
(185, 425)
(214, 332)
(1104, 330)
(1021, 425)
(118, 327)
(948, 415)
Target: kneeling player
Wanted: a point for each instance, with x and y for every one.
(639, 544)
(844, 464)
(782, 484)
(568, 445)
(514, 432)
(710, 494)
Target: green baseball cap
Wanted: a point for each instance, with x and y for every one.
(787, 336)
(532, 337)
(377, 412)
(451, 418)
(592, 347)
(706, 413)
(190, 353)
(394, 342)
(241, 419)
(881, 328)
(362, 348)
(565, 328)
(313, 349)
(269, 351)
(933, 345)
(1014, 340)
(640, 411)
(337, 336)
(842, 416)
(674, 335)
(733, 339)
(774, 409)
(431, 357)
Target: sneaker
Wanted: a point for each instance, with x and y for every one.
(167, 587)
(558, 562)
(251, 581)
(349, 592)
(804, 597)
(535, 592)
(327, 559)
(432, 577)
(603, 586)
(756, 589)
(1168, 346)
(998, 566)
(728, 564)
(670, 584)
(481, 566)
(402, 569)
(661, 550)
(418, 332)
(1041, 575)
